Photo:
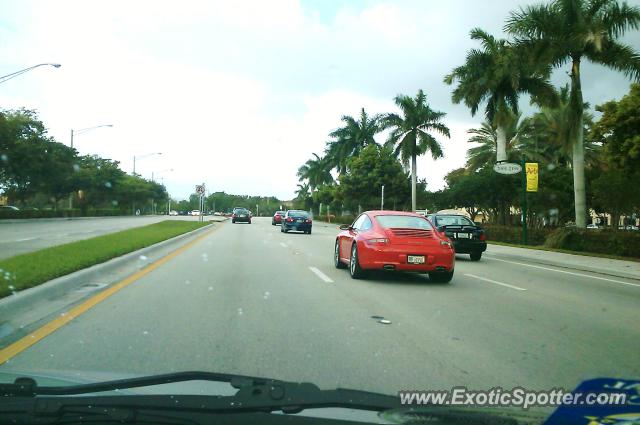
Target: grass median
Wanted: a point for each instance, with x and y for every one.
(31, 269)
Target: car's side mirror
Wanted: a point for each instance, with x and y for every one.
(345, 227)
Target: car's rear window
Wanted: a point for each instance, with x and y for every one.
(453, 220)
(403, 221)
(280, 212)
(298, 214)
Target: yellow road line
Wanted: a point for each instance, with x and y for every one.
(47, 329)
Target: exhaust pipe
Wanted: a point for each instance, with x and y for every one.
(389, 267)
(441, 269)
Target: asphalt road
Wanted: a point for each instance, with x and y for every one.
(248, 299)
(20, 236)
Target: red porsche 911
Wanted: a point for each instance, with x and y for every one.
(394, 240)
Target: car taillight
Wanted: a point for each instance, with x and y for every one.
(483, 237)
(233, 215)
(446, 243)
(289, 219)
(308, 221)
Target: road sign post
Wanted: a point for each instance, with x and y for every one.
(200, 190)
(524, 203)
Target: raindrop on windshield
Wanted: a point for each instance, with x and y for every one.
(143, 258)
(11, 288)
(145, 332)
(211, 288)
(240, 312)
(205, 257)
(114, 203)
(76, 167)
(107, 185)
(266, 295)
(187, 282)
(4, 158)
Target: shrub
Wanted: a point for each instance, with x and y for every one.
(604, 241)
(513, 234)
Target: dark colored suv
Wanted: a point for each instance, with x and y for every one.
(467, 237)
(296, 220)
(241, 215)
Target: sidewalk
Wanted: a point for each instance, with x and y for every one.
(619, 268)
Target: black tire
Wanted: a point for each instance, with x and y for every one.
(475, 256)
(355, 270)
(233, 222)
(281, 229)
(309, 231)
(249, 222)
(336, 257)
(441, 277)
(273, 222)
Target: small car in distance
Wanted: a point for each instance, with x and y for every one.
(277, 218)
(195, 212)
(296, 220)
(467, 237)
(173, 212)
(394, 240)
(241, 215)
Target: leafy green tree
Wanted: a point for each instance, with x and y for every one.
(570, 31)
(613, 193)
(619, 130)
(98, 179)
(366, 173)
(410, 133)
(351, 138)
(498, 74)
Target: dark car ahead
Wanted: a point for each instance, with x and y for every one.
(241, 215)
(467, 237)
(296, 220)
(277, 218)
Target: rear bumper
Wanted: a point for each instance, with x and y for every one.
(301, 227)
(463, 246)
(242, 219)
(277, 220)
(395, 258)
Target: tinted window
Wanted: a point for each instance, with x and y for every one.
(453, 220)
(403, 221)
(298, 214)
(366, 224)
(359, 221)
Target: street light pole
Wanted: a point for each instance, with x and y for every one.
(74, 132)
(142, 157)
(22, 71)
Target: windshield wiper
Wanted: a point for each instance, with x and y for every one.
(25, 397)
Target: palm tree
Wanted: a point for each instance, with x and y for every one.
(302, 192)
(569, 31)
(350, 139)
(551, 130)
(516, 132)
(316, 171)
(498, 74)
(410, 136)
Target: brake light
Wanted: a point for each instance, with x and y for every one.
(445, 243)
(233, 215)
(289, 220)
(483, 237)
(308, 221)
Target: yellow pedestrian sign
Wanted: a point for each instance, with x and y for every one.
(531, 169)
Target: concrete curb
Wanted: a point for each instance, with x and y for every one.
(14, 306)
(49, 219)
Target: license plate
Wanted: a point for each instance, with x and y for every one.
(299, 220)
(463, 235)
(242, 216)
(415, 259)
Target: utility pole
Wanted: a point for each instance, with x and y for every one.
(524, 202)
(382, 200)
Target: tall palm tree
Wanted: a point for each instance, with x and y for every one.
(486, 137)
(351, 138)
(498, 74)
(410, 133)
(570, 31)
(302, 192)
(316, 171)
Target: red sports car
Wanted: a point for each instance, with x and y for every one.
(394, 240)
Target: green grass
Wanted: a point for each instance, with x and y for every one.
(31, 269)
(566, 251)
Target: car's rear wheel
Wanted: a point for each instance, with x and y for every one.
(249, 222)
(336, 257)
(309, 231)
(441, 277)
(233, 222)
(355, 270)
(273, 222)
(476, 256)
(282, 229)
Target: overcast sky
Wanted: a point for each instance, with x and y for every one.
(238, 94)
